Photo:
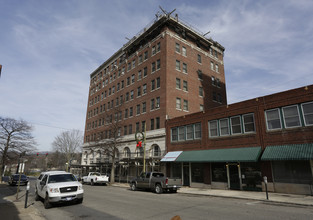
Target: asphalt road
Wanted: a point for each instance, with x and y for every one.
(109, 202)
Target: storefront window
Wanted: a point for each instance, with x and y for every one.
(219, 173)
(197, 172)
(176, 170)
(251, 176)
(292, 172)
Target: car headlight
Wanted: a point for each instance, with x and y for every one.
(54, 190)
(80, 187)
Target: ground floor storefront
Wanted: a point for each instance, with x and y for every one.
(245, 168)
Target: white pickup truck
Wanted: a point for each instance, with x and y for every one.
(58, 186)
(95, 178)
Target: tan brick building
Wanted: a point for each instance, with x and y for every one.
(167, 70)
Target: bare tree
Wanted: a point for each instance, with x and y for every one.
(108, 142)
(15, 139)
(68, 143)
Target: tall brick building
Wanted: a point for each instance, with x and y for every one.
(167, 70)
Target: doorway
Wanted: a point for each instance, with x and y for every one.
(186, 175)
(234, 180)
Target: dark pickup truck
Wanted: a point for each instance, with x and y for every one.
(155, 181)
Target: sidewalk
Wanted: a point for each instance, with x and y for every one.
(278, 198)
(10, 208)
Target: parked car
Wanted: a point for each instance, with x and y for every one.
(57, 187)
(15, 178)
(155, 181)
(95, 178)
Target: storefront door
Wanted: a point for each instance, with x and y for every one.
(234, 181)
(186, 174)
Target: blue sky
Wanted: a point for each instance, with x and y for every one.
(49, 48)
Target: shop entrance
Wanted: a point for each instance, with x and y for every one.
(186, 174)
(234, 180)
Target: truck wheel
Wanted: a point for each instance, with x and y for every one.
(173, 190)
(133, 187)
(92, 183)
(37, 198)
(158, 189)
(46, 203)
(79, 201)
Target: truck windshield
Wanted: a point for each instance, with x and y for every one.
(61, 178)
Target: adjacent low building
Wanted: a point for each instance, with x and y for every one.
(236, 146)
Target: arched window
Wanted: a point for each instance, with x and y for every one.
(139, 152)
(156, 151)
(126, 153)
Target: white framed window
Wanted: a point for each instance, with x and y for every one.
(235, 125)
(178, 65)
(184, 51)
(224, 126)
(291, 116)
(177, 83)
(181, 133)
(213, 128)
(197, 131)
(185, 85)
(212, 65)
(248, 123)
(177, 47)
(174, 134)
(186, 107)
(185, 68)
(307, 112)
(189, 132)
(199, 58)
(273, 121)
(200, 91)
(178, 103)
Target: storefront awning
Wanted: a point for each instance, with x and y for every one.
(246, 154)
(171, 156)
(289, 152)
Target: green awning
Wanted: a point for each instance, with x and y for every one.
(289, 152)
(246, 154)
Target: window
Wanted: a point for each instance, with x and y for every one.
(125, 130)
(189, 132)
(127, 96)
(144, 89)
(224, 126)
(126, 113)
(213, 128)
(185, 85)
(131, 94)
(153, 67)
(235, 125)
(158, 64)
(139, 75)
(128, 66)
(181, 133)
(153, 50)
(186, 105)
(128, 81)
(273, 119)
(122, 84)
(158, 82)
(291, 116)
(152, 85)
(146, 55)
(212, 65)
(157, 104)
(184, 51)
(201, 107)
(133, 78)
(199, 58)
(199, 74)
(131, 112)
(144, 108)
(145, 72)
(178, 103)
(178, 65)
(197, 131)
(139, 91)
(158, 47)
(307, 111)
(137, 126)
(143, 125)
(140, 59)
(177, 83)
(248, 123)
(152, 104)
(184, 68)
(177, 47)
(152, 124)
(200, 91)
(216, 68)
(138, 109)
(174, 134)
(134, 64)
(130, 129)
(157, 123)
